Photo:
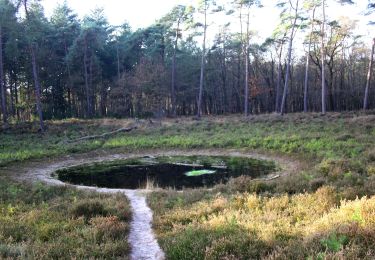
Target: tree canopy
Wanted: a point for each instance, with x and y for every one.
(60, 67)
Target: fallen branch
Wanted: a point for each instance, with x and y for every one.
(104, 135)
(272, 178)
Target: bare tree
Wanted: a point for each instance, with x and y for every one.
(305, 92)
(204, 8)
(292, 34)
(369, 74)
(324, 106)
(2, 80)
(245, 50)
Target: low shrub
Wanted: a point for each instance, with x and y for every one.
(109, 228)
(41, 222)
(89, 209)
(298, 226)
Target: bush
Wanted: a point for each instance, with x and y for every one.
(317, 183)
(42, 222)
(371, 170)
(11, 252)
(293, 184)
(334, 242)
(239, 184)
(336, 169)
(109, 228)
(227, 242)
(89, 209)
(260, 187)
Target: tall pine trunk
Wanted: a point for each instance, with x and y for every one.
(279, 76)
(15, 80)
(118, 63)
(287, 73)
(2, 81)
(173, 85)
(69, 83)
(202, 64)
(369, 74)
(88, 105)
(246, 52)
(305, 92)
(324, 106)
(35, 75)
(37, 87)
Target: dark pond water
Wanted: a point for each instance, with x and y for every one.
(164, 172)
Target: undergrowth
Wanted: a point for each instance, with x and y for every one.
(305, 136)
(325, 211)
(41, 222)
(216, 225)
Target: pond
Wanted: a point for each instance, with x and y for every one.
(164, 172)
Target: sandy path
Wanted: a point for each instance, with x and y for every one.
(141, 238)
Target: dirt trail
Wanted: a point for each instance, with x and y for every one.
(141, 238)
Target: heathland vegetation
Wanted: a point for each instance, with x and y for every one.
(323, 209)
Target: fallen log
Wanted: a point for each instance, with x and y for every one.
(104, 135)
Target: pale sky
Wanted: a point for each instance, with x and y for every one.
(139, 13)
(142, 13)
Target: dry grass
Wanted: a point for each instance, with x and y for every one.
(40, 222)
(277, 227)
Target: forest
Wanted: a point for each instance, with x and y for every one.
(204, 135)
(64, 67)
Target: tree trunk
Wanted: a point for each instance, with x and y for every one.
(16, 96)
(246, 52)
(369, 74)
(202, 63)
(37, 87)
(272, 87)
(92, 92)
(323, 61)
(279, 76)
(287, 73)
(118, 62)
(173, 85)
(103, 100)
(305, 92)
(2, 81)
(69, 83)
(88, 105)
(224, 80)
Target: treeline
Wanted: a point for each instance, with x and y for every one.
(64, 67)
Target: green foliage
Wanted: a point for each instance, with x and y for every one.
(344, 154)
(334, 243)
(227, 242)
(89, 209)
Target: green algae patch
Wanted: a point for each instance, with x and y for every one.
(199, 173)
